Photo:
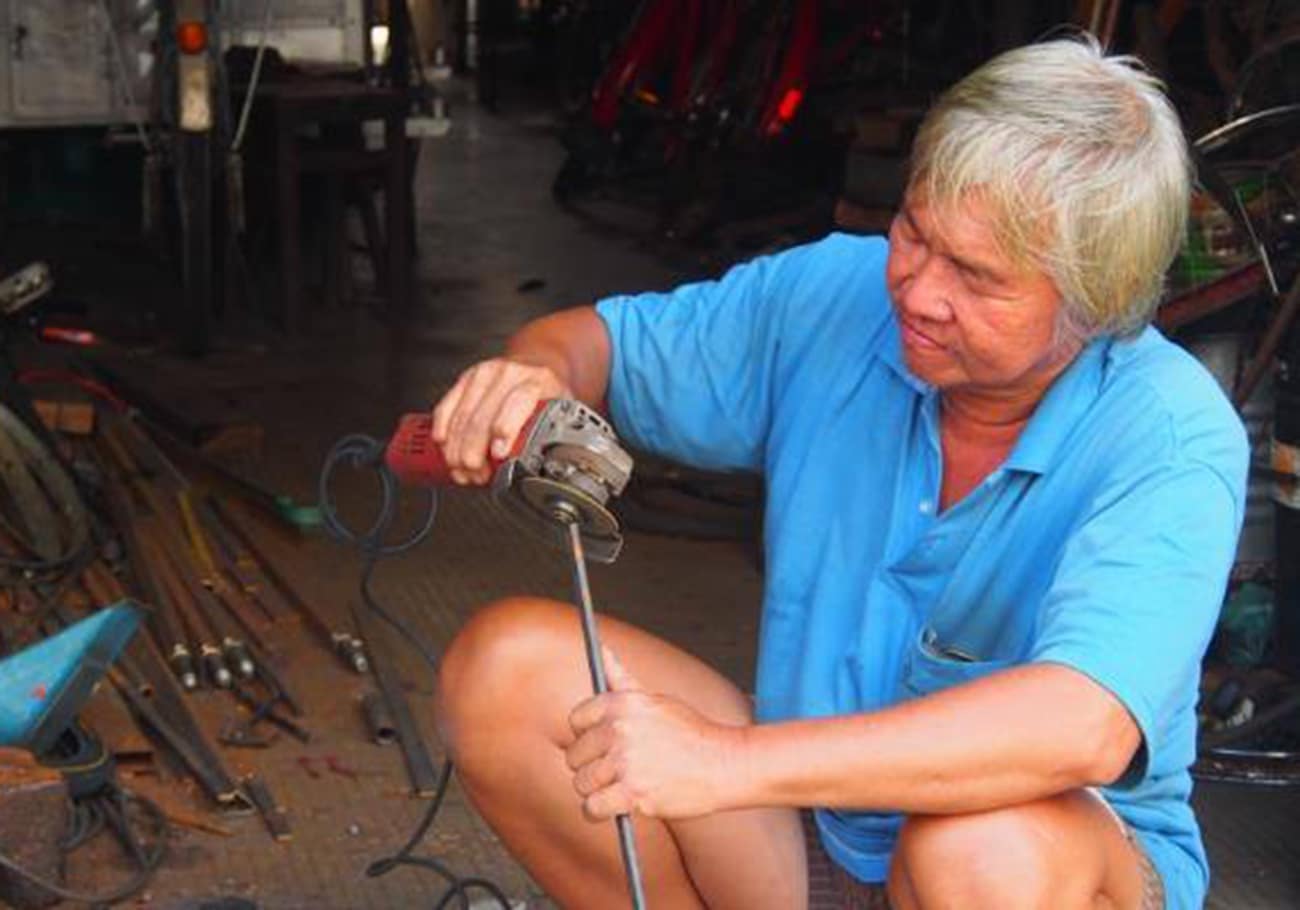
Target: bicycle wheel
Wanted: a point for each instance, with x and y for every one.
(1269, 78)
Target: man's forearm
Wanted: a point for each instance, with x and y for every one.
(573, 344)
(1017, 735)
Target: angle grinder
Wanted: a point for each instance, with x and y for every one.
(563, 469)
(558, 479)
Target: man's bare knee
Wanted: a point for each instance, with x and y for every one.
(1000, 858)
(489, 676)
(522, 650)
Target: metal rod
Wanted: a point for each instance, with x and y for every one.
(599, 682)
(419, 764)
(143, 679)
(184, 594)
(349, 647)
(163, 618)
(240, 566)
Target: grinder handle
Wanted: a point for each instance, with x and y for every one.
(416, 459)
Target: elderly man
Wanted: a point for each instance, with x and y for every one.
(1000, 519)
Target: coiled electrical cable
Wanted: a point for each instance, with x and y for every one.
(97, 803)
(60, 491)
(364, 452)
(367, 453)
(86, 823)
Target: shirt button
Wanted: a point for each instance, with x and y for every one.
(926, 507)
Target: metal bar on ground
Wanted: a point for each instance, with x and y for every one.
(162, 618)
(149, 689)
(379, 721)
(240, 565)
(277, 820)
(185, 593)
(228, 594)
(221, 649)
(419, 765)
(205, 587)
(347, 645)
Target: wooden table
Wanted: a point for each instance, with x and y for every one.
(298, 103)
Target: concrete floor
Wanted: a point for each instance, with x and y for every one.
(486, 225)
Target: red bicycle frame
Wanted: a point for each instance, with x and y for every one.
(697, 39)
(787, 92)
(662, 26)
(697, 75)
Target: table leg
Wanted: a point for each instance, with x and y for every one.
(335, 269)
(288, 179)
(397, 205)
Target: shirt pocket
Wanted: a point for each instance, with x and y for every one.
(931, 667)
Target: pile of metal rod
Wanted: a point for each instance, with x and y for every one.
(144, 530)
(213, 607)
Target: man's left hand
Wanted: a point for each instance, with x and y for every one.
(636, 751)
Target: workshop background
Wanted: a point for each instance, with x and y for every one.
(234, 233)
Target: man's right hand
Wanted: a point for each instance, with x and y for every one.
(484, 412)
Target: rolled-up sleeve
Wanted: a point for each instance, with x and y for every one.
(1137, 594)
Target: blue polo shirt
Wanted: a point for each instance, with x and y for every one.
(1102, 543)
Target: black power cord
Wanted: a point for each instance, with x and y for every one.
(367, 453)
(97, 802)
(459, 887)
(364, 452)
(57, 485)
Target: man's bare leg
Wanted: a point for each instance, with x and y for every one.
(506, 687)
(1068, 852)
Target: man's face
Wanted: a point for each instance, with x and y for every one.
(970, 318)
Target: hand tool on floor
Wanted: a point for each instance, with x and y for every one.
(564, 468)
(264, 709)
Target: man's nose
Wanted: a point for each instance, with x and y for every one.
(925, 294)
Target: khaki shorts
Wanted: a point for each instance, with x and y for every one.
(832, 888)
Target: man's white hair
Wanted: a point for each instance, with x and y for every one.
(1082, 161)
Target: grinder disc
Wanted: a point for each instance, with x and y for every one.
(543, 495)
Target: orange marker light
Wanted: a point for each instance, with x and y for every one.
(192, 37)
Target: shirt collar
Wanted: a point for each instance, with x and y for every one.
(1066, 401)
